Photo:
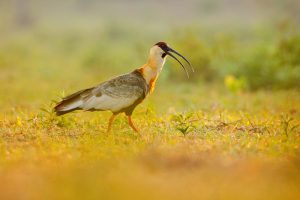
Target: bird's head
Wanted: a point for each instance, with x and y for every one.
(161, 50)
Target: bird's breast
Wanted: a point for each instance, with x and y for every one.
(151, 84)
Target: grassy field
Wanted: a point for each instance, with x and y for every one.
(197, 142)
(232, 131)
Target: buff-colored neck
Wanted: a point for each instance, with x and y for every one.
(151, 70)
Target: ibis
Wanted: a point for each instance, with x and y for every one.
(123, 93)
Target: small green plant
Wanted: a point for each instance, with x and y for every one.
(49, 116)
(47, 110)
(183, 123)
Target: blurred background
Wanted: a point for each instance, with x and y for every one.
(50, 46)
(231, 131)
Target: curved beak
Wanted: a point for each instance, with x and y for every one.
(168, 51)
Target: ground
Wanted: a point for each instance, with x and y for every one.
(200, 142)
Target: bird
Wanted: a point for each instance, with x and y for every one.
(123, 93)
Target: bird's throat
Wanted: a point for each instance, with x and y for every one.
(151, 70)
(150, 74)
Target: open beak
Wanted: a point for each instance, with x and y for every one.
(168, 52)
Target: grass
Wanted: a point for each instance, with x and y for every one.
(238, 146)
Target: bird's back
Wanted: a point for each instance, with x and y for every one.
(125, 86)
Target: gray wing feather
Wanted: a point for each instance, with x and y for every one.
(125, 86)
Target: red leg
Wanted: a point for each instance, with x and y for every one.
(111, 119)
(131, 124)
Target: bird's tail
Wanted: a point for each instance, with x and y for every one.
(72, 102)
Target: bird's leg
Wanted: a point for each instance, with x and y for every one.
(131, 124)
(111, 119)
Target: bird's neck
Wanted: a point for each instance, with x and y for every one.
(151, 70)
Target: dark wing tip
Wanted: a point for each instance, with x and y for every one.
(59, 112)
